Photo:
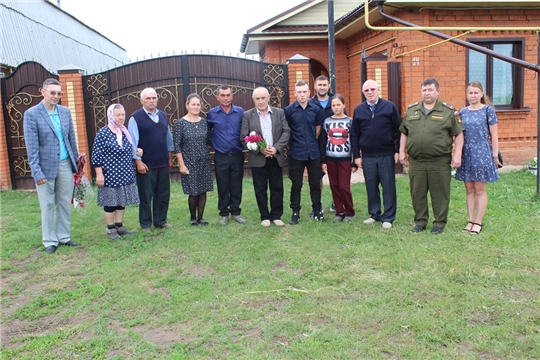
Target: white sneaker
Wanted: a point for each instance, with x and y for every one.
(386, 225)
(370, 221)
(278, 222)
(265, 223)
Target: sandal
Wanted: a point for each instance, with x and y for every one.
(465, 228)
(203, 222)
(474, 232)
(193, 223)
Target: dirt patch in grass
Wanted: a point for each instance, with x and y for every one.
(198, 270)
(122, 353)
(13, 332)
(250, 334)
(160, 335)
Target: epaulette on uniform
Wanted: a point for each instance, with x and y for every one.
(448, 105)
(416, 103)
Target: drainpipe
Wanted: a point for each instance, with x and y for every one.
(538, 124)
(331, 46)
(483, 50)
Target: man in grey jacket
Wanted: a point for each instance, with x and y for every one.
(52, 156)
(266, 164)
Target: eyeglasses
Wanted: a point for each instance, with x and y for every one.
(370, 89)
(55, 93)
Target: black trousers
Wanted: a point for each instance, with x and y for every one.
(270, 176)
(154, 192)
(296, 174)
(229, 176)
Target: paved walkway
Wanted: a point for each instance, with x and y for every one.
(358, 176)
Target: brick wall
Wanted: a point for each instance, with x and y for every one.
(71, 81)
(281, 52)
(423, 56)
(5, 176)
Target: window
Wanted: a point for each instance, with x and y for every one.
(502, 81)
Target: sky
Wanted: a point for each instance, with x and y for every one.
(151, 27)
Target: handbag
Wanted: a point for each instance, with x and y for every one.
(499, 155)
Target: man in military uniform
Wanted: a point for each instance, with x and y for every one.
(427, 132)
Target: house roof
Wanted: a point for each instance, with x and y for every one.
(309, 20)
(306, 20)
(42, 32)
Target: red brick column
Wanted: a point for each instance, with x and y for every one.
(71, 79)
(298, 69)
(5, 176)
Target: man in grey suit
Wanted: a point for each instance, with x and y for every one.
(52, 156)
(266, 164)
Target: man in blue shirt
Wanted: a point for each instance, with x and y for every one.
(225, 122)
(305, 120)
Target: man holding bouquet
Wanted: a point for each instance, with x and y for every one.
(266, 133)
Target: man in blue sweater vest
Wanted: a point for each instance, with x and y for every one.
(149, 129)
(375, 139)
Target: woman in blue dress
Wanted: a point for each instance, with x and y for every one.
(479, 162)
(112, 159)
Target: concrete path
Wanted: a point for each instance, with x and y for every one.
(358, 176)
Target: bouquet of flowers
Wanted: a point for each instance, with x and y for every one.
(255, 142)
(83, 189)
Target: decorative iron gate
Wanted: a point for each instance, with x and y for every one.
(174, 78)
(20, 91)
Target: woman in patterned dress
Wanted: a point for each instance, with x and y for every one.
(191, 139)
(112, 159)
(479, 161)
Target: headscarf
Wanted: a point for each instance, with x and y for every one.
(118, 129)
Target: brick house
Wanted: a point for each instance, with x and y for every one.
(401, 59)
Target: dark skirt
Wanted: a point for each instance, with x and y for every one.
(118, 196)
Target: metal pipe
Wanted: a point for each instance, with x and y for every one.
(440, 28)
(331, 46)
(538, 123)
(466, 44)
(518, 62)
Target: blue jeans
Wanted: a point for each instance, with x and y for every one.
(381, 170)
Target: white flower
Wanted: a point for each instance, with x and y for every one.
(252, 133)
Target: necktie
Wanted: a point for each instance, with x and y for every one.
(372, 107)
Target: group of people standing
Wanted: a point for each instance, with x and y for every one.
(431, 139)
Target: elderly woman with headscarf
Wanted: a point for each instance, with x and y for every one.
(112, 159)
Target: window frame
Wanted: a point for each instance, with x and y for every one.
(518, 52)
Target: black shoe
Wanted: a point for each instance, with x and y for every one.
(50, 249)
(418, 228)
(436, 230)
(71, 243)
(294, 219)
(319, 217)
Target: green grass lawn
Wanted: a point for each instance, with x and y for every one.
(311, 291)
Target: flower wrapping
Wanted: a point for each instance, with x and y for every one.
(255, 142)
(83, 189)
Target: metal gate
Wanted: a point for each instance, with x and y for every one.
(174, 78)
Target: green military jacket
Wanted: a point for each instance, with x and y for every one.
(430, 136)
